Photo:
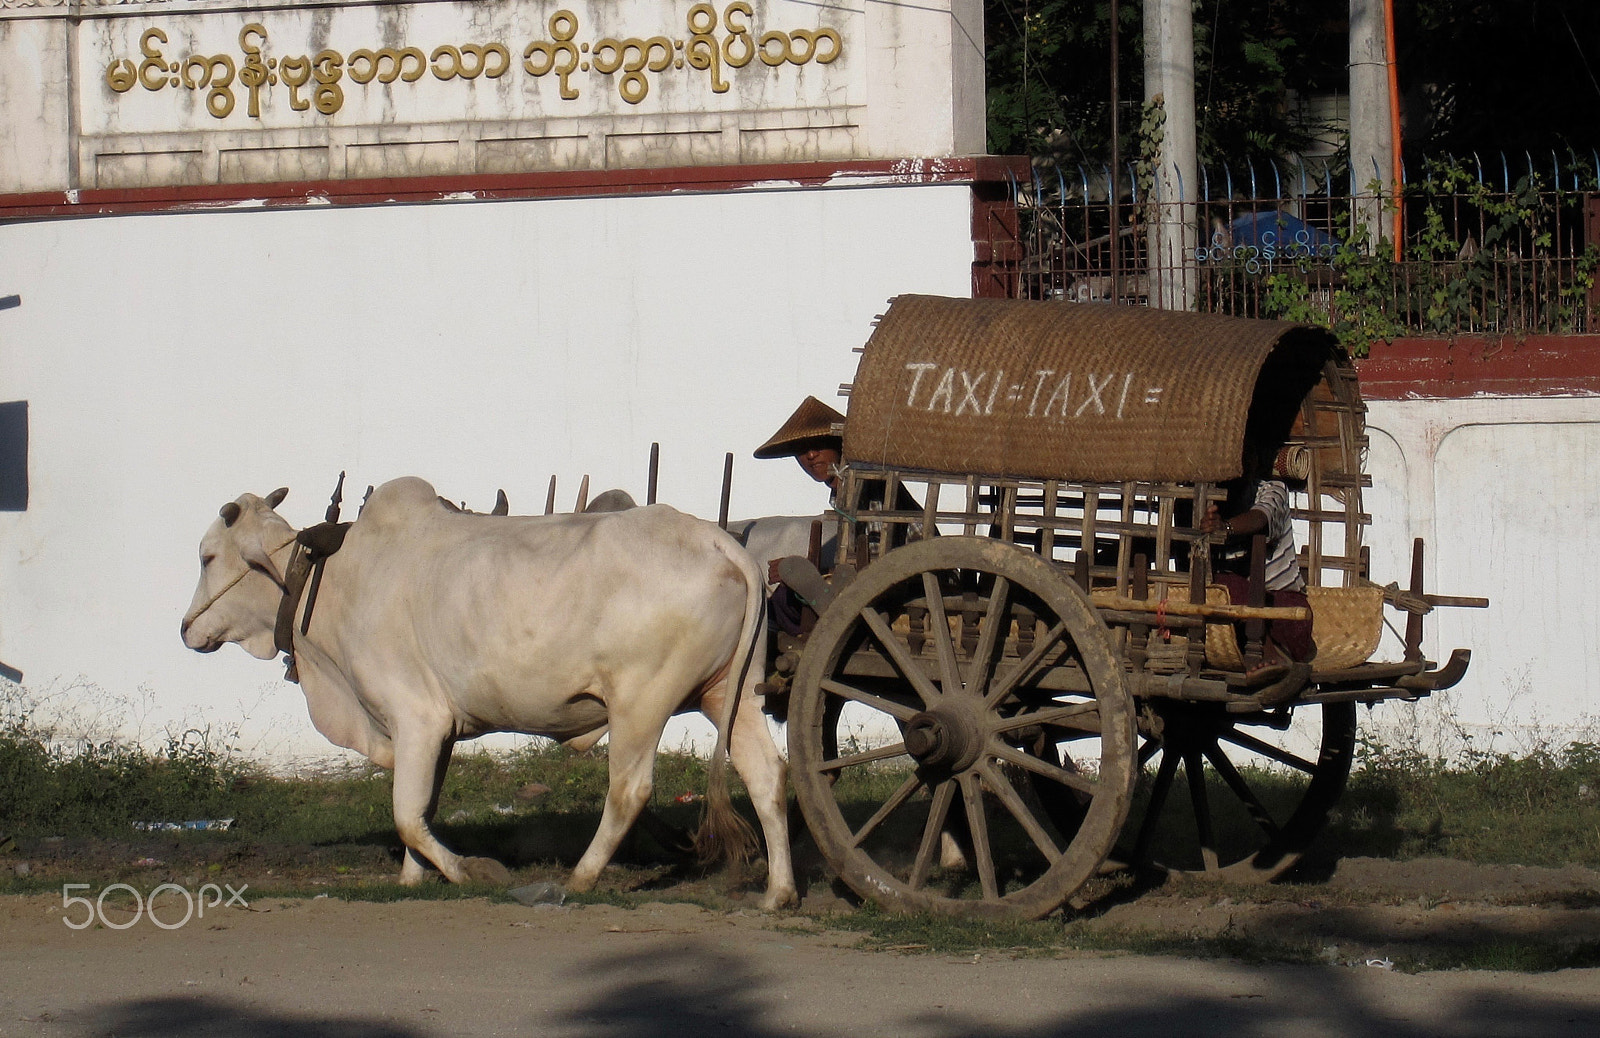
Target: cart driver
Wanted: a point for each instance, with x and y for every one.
(811, 438)
(1258, 502)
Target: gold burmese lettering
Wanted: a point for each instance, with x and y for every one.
(714, 44)
(563, 27)
(254, 74)
(386, 65)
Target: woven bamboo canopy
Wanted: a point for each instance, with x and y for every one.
(1090, 392)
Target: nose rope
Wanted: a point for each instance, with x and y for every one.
(191, 618)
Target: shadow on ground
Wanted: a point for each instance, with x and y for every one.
(704, 993)
(196, 1017)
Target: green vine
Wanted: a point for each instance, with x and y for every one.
(1447, 280)
(1150, 133)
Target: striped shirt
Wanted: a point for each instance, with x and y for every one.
(1283, 562)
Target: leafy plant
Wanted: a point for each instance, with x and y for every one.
(1475, 260)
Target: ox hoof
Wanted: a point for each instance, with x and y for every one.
(780, 900)
(485, 870)
(951, 856)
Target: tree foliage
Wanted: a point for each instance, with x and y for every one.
(1482, 75)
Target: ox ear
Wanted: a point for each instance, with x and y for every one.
(275, 498)
(255, 555)
(230, 513)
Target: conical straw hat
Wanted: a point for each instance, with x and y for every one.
(811, 422)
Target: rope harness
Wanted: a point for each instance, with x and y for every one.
(230, 585)
(313, 545)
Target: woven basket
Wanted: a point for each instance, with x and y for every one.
(1346, 623)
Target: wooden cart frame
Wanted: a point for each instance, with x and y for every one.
(1025, 599)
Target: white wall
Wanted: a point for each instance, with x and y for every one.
(1504, 492)
(172, 362)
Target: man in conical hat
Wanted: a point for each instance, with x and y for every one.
(813, 436)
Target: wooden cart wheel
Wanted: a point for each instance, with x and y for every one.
(1257, 787)
(920, 706)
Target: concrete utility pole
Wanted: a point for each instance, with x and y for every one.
(1169, 80)
(1371, 139)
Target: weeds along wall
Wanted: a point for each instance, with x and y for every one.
(171, 362)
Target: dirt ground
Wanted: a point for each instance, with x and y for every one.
(408, 969)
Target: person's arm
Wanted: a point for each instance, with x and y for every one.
(1247, 523)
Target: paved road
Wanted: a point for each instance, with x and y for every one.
(329, 969)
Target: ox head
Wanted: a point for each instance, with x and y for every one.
(242, 558)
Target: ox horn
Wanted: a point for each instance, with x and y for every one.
(275, 498)
(502, 505)
(230, 513)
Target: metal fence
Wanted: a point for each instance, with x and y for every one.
(1484, 247)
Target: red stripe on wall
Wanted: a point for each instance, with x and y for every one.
(413, 190)
(1539, 365)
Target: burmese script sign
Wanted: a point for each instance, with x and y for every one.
(360, 65)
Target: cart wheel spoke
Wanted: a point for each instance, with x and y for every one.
(890, 806)
(1025, 668)
(939, 631)
(1257, 807)
(978, 825)
(1165, 773)
(1072, 780)
(1195, 771)
(889, 752)
(1269, 751)
(996, 625)
(1241, 789)
(1007, 794)
(900, 654)
(898, 711)
(937, 812)
(1149, 749)
(1082, 717)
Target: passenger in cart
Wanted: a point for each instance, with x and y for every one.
(1258, 502)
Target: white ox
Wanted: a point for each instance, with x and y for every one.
(779, 536)
(433, 626)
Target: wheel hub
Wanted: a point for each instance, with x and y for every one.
(943, 739)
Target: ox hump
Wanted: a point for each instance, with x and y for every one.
(405, 497)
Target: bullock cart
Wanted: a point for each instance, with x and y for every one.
(1025, 673)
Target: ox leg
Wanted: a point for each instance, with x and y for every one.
(414, 867)
(419, 769)
(755, 756)
(632, 775)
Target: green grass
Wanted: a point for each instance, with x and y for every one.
(1487, 808)
(101, 790)
(1542, 808)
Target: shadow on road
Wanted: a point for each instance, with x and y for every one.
(701, 993)
(194, 1017)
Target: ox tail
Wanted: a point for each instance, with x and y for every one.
(723, 833)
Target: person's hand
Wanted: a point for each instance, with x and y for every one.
(772, 571)
(1211, 522)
